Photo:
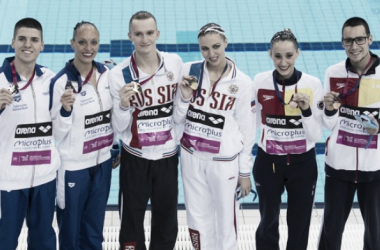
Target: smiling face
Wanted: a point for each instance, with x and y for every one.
(213, 48)
(27, 44)
(358, 54)
(143, 33)
(284, 55)
(85, 44)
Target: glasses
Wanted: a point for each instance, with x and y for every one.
(360, 40)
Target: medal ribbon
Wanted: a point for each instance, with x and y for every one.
(345, 93)
(86, 80)
(198, 92)
(14, 75)
(134, 66)
(278, 91)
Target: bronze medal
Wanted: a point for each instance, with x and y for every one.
(337, 103)
(293, 105)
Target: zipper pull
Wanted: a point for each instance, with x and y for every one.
(288, 160)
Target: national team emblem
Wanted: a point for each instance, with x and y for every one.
(170, 75)
(233, 89)
(83, 93)
(17, 97)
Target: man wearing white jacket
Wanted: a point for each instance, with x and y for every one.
(143, 117)
(28, 157)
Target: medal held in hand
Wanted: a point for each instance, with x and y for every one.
(13, 89)
(193, 82)
(293, 104)
(337, 103)
(136, 87)
(69, 85)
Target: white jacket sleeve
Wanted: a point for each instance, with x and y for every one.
(329, 121)
(180, 104)
(312, 125)
(246, 118)
(62, 119)
(121, 117)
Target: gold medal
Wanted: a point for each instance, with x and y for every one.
(193, 82)
(136, 87)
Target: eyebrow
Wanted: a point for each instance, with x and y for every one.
(21, 36)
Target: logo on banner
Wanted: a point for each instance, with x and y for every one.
(215, 121)
(167, 110)
(295, 122)
(374, 113)
(45, 129)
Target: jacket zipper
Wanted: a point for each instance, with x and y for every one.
(35, 120)
(357, 165)
(287, 159)
(100, 106)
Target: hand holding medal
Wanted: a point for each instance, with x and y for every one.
(332, 101)
(6, 97)
(188, 85)
(127, 91)
(299, 100)
(68, 98)
(136, 87)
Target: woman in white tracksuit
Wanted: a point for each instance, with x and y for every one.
(85, 136)
(216, 146)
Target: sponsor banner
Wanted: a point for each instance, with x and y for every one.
(207, 119)
(280, 121)
(200, 144)
(355, 140)
(31, 158)
(155, 125)
(97, 119)
(286, 147)
(97, 143)
(34, 130)
(285, 134)
(350, 111)
(154, 139)
(165, 110)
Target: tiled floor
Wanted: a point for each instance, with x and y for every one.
(248, 221)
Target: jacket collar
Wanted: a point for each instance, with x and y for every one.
(8, 71)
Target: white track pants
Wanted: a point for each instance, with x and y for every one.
(209, 188)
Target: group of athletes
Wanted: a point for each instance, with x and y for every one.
(60, 133)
